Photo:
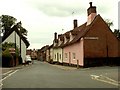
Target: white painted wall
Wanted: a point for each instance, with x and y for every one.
(59, 55)
(23, 50)
(47, 55)
(11, 38)
(51, 53)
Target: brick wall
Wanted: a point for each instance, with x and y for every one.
(105, 45)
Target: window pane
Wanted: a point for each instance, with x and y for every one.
(73, 55)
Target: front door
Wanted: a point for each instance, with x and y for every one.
(57, 57)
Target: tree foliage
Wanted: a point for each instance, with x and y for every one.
(117, 33)
(23, 31)
(7, 45)
(109, 22)
(7, 22)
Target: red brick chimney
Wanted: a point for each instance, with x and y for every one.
(75, 23)
(91, 11)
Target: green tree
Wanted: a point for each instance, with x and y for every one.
(7, 22)
(7, 45)
(117, 33)
(109, 22)
(23, 31)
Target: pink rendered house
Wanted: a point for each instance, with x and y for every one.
(73, 52)
(91, 43)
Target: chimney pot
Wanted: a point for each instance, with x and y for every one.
(91, 13)
(55, 36)
(90, 4)
(75, 23)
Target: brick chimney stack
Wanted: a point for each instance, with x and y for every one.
(91, 11)
(90, 4)
(55, 37)
(75, 23)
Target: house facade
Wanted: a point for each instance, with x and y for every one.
(49, 54)
(73, 54)
(57, 49)
(58, 57)
(43, 53)
(14, 36)
(89, 44)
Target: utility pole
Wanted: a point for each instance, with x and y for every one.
(15, 48)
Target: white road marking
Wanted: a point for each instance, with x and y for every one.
(7, 76)
(108, 80)
(1, 84)
(94, 76)
(7, 72)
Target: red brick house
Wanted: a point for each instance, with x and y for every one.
(91, 44)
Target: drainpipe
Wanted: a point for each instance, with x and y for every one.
(77, 64)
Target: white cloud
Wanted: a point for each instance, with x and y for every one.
(44, 17)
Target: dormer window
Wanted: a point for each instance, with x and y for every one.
(60, 39)
(66, 37)
(73, 34)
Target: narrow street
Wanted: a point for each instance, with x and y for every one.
(45, 75)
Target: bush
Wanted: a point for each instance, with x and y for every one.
(6, 58)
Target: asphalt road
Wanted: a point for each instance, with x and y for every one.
(44, 75)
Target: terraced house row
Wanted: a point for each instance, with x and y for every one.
(90, 44)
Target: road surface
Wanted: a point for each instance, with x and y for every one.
(45, 75)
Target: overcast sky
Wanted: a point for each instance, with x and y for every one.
(44, 17)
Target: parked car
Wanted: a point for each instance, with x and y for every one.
(28, 59)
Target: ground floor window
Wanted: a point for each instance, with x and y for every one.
(74, 56)
(55, 56)
(65, 55)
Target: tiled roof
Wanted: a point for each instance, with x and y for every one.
(44, 48)
(61, 38)
(18, 32)
(83, 29)
(78, 32)
(50, 46)
(75, 32)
